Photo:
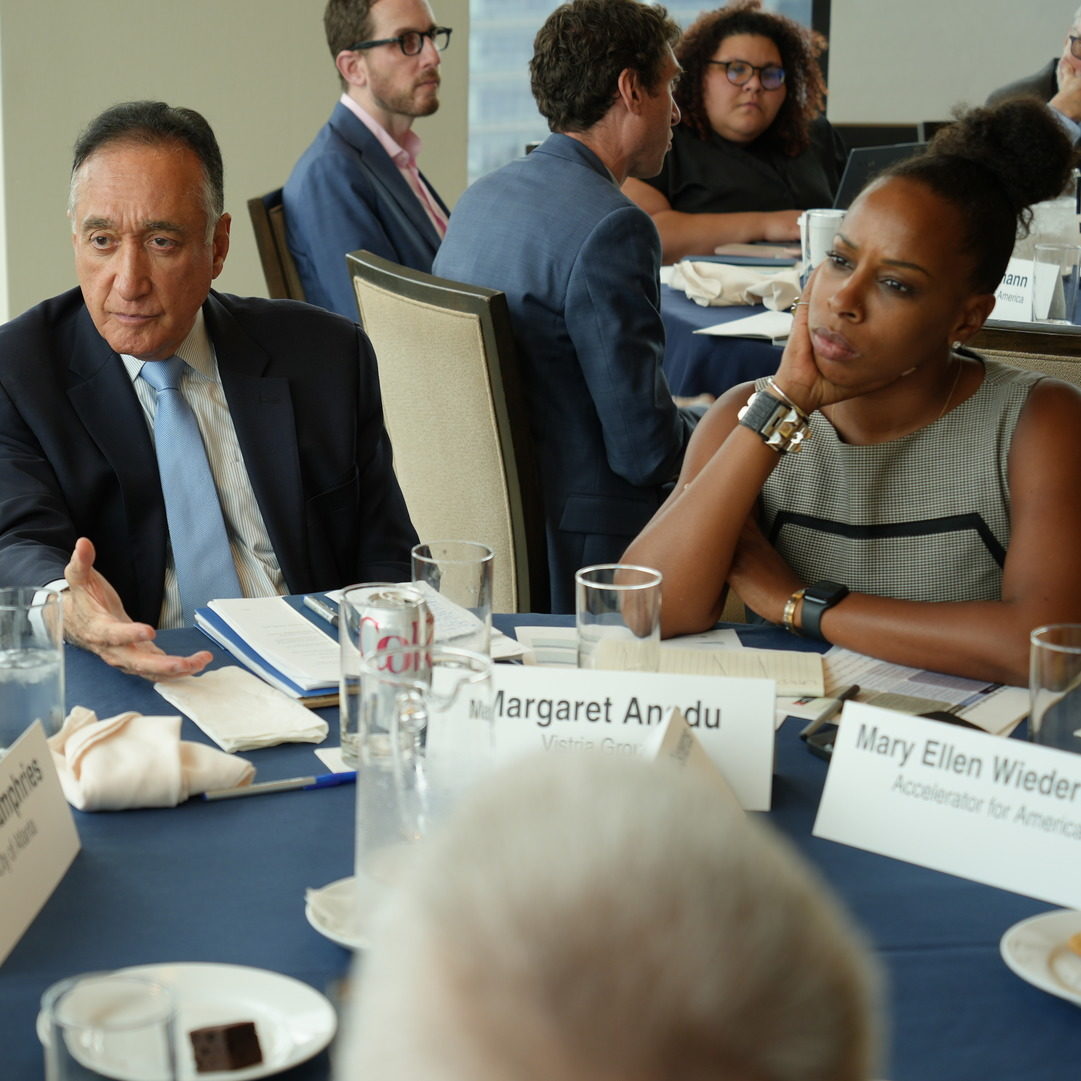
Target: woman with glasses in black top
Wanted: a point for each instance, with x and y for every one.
(751, 150)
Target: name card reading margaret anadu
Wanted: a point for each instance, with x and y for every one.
(38, 839)
(999, 811)
(619, 712)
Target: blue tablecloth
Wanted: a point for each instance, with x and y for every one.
(703, 363)
(225, 882)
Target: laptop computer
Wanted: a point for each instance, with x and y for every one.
(865, 162)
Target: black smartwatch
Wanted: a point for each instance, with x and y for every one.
(816, 599)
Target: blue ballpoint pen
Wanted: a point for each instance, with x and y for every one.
(290, 784)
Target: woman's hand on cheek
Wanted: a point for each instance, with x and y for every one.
(798, 375)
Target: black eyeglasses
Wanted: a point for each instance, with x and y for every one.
(771, 76)
(411, 42)
(1075, 46)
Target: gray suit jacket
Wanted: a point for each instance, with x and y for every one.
(345, 194)
(578, 262)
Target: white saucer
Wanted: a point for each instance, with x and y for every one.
(1036, 950)
(293, 1021)
(337, 913)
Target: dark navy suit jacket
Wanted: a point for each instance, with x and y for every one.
(76, 457)
(578, 262)
(345, 194)
(1042, 85)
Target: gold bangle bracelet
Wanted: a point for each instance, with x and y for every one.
(788, 619)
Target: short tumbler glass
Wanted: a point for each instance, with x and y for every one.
(109, 1024)
(461, 572)
(1055, 686)
(618, 616)
(31, 662)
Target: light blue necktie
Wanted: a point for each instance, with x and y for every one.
(204, 563)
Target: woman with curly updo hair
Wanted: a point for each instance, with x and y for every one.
(930, 517)
(752, 149)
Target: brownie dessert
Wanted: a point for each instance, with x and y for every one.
(225, 1047)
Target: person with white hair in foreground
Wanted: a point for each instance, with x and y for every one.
(594, 918)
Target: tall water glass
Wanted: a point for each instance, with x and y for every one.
(1055, 686)
(1055, 272)
(426, 729)
(618, 616)
(373, 617)
(31, 662)
(109, 1025)
(461, 572)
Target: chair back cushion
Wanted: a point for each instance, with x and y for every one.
(441, 416)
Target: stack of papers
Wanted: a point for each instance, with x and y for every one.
(301, 656)
(269, 636)
(994, 707)
(768, 325)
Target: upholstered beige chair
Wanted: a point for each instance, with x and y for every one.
(454, 409)
(268, 221)
(1060, 366)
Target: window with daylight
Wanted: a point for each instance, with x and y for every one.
(502, 115)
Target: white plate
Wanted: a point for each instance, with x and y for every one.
(1036, 950)
(293, 1021)
(335, 912)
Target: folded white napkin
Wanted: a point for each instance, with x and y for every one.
(718, 285)
(135, 761)
(240, 712)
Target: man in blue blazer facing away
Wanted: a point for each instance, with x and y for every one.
(358, 185)
(579, 263)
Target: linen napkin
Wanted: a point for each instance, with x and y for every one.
(240, 712)
(131, 760)
(719, 285)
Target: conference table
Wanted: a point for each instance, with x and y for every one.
(707, 363)
(224, 882)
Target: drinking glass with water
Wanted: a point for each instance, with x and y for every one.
(31, 662)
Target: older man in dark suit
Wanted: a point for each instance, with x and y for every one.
(278, 412)
(579, 264)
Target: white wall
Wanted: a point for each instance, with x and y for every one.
(900, 61)
(259, 70)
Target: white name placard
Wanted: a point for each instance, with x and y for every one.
(1013, 297)
(620, 713)
(999, 811)
(676, 744)
(38, 840)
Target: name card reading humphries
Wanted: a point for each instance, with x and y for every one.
(999, 811)
(619, 713)
(38, 840)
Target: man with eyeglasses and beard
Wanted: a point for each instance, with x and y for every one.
(1058, 83)
(358, 184)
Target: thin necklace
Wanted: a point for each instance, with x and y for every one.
(949, 397)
